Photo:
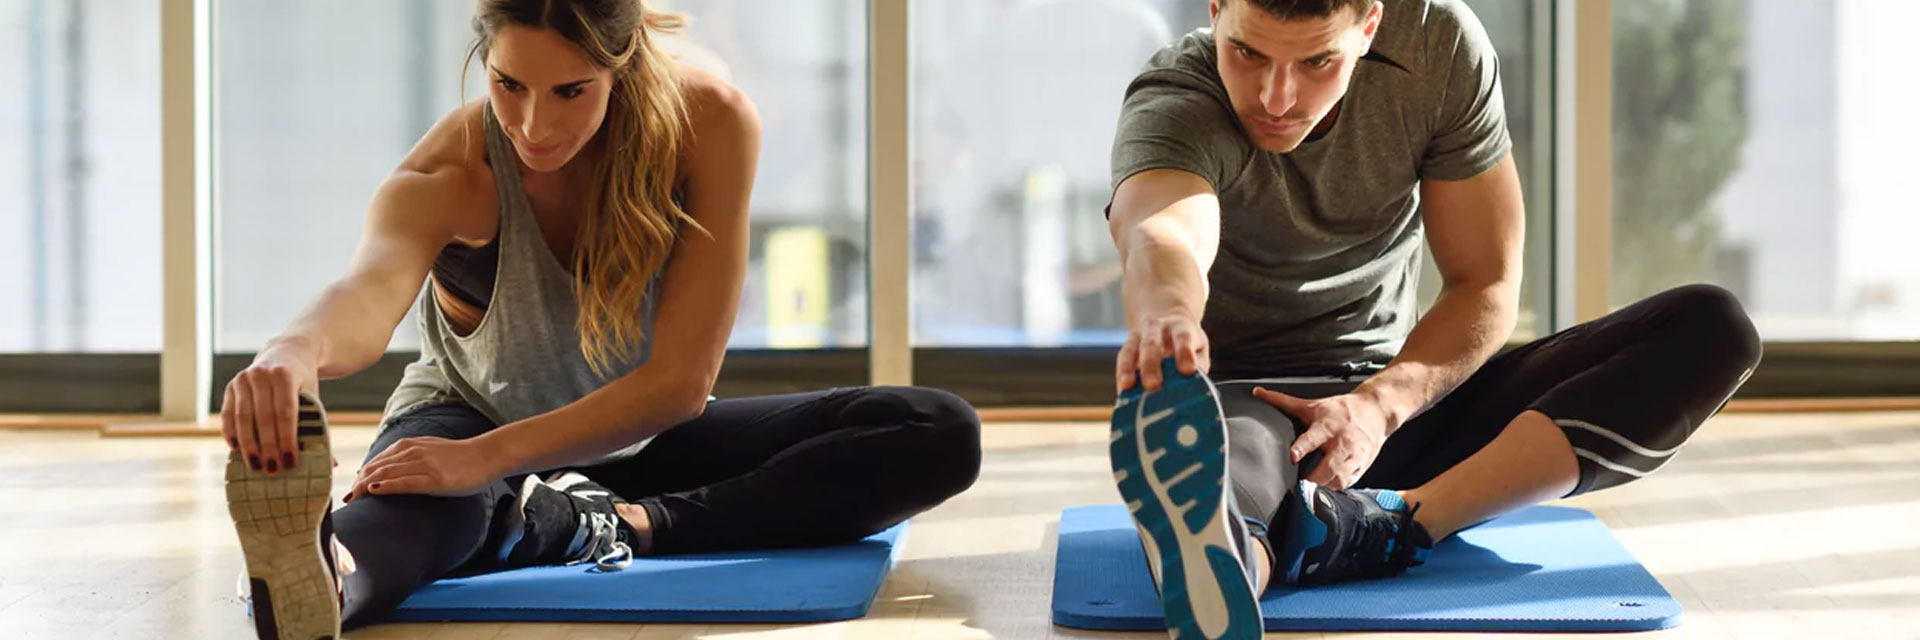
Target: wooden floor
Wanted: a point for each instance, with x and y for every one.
(1767, 526)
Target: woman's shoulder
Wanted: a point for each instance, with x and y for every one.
(449, 165)
(458, 142)
(713, 104)
(724, 123)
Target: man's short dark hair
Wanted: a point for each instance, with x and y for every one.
(1296, 9)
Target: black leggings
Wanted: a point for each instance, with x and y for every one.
(804, 469)
(1628, 390)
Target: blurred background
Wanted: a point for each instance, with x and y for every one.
(1763, 145)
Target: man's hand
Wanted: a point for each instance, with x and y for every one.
(1174, 333)
(1347, 429)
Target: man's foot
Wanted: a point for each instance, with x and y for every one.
(1332, 536)
(292, 587)
(1169, 456)
(566, 519)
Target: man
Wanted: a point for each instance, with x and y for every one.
(1275, 179)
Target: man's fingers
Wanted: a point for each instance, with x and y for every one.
(1186, 352)
(1309, 442)
(1322, 475)
(1153, 349)
(1292, 405)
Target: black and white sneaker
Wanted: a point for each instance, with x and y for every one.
(293, 589)
(566, 519)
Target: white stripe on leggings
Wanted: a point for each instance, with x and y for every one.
(1595, 457)
(1618, 439)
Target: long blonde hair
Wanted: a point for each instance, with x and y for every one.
(633, 221)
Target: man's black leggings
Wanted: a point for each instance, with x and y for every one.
(804, 469)
(1628, 390)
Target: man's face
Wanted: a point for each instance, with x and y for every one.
(1285, 76)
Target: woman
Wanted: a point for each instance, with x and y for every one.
(583, 235)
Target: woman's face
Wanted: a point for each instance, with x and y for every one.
(547, 94)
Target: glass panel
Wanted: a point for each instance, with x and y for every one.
(1761, 145)
(79, 180)
(320, 99)
(1015, 105)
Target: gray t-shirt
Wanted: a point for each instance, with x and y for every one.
(1320, 246)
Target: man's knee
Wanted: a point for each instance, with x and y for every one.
(1711, 321)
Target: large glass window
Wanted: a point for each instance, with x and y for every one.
(804, 64)
(79, 177)
(318, 100)
(1015, 105)
(1766, 145)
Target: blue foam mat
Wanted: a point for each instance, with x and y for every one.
(1538, 569)
(789, 585)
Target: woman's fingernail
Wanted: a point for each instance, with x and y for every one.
(375, 485)
(253, 461)
(288, 458)
(233, 442)
(273, 467)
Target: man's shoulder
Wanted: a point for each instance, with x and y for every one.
(1188, 63)
(1419, 36)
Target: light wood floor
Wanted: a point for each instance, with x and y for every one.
(1767, 526)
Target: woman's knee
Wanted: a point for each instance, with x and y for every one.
(946, 428)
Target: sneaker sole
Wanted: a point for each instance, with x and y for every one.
(1169, 460)
(292, 590)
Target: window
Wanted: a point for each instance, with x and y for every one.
(319, 100)
(79, 181)
(1763, 146)
(804, 64)
(316, 101)
(1015, 105)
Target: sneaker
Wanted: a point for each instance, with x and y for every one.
(1169, 456)
(1333, 536)
(566, 519)
(293, 591)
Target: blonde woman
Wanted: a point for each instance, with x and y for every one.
(582, 234)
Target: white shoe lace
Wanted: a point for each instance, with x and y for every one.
(598, 541)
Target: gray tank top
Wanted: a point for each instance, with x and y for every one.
(524, 357)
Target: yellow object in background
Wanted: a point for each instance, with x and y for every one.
(797, 288)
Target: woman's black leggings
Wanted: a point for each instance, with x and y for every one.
(1628, 390)
(804, 469)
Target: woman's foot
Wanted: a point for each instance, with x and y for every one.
(281, 520)
(567, 519)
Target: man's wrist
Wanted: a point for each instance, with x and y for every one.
(1396, 400)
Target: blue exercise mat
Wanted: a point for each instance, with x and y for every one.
(1538, 569)
(788, 585)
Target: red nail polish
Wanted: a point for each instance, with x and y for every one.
(253, 461)
(375, 485)
(288, 460)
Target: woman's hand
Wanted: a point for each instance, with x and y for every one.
(259, 413)
(430, 466)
